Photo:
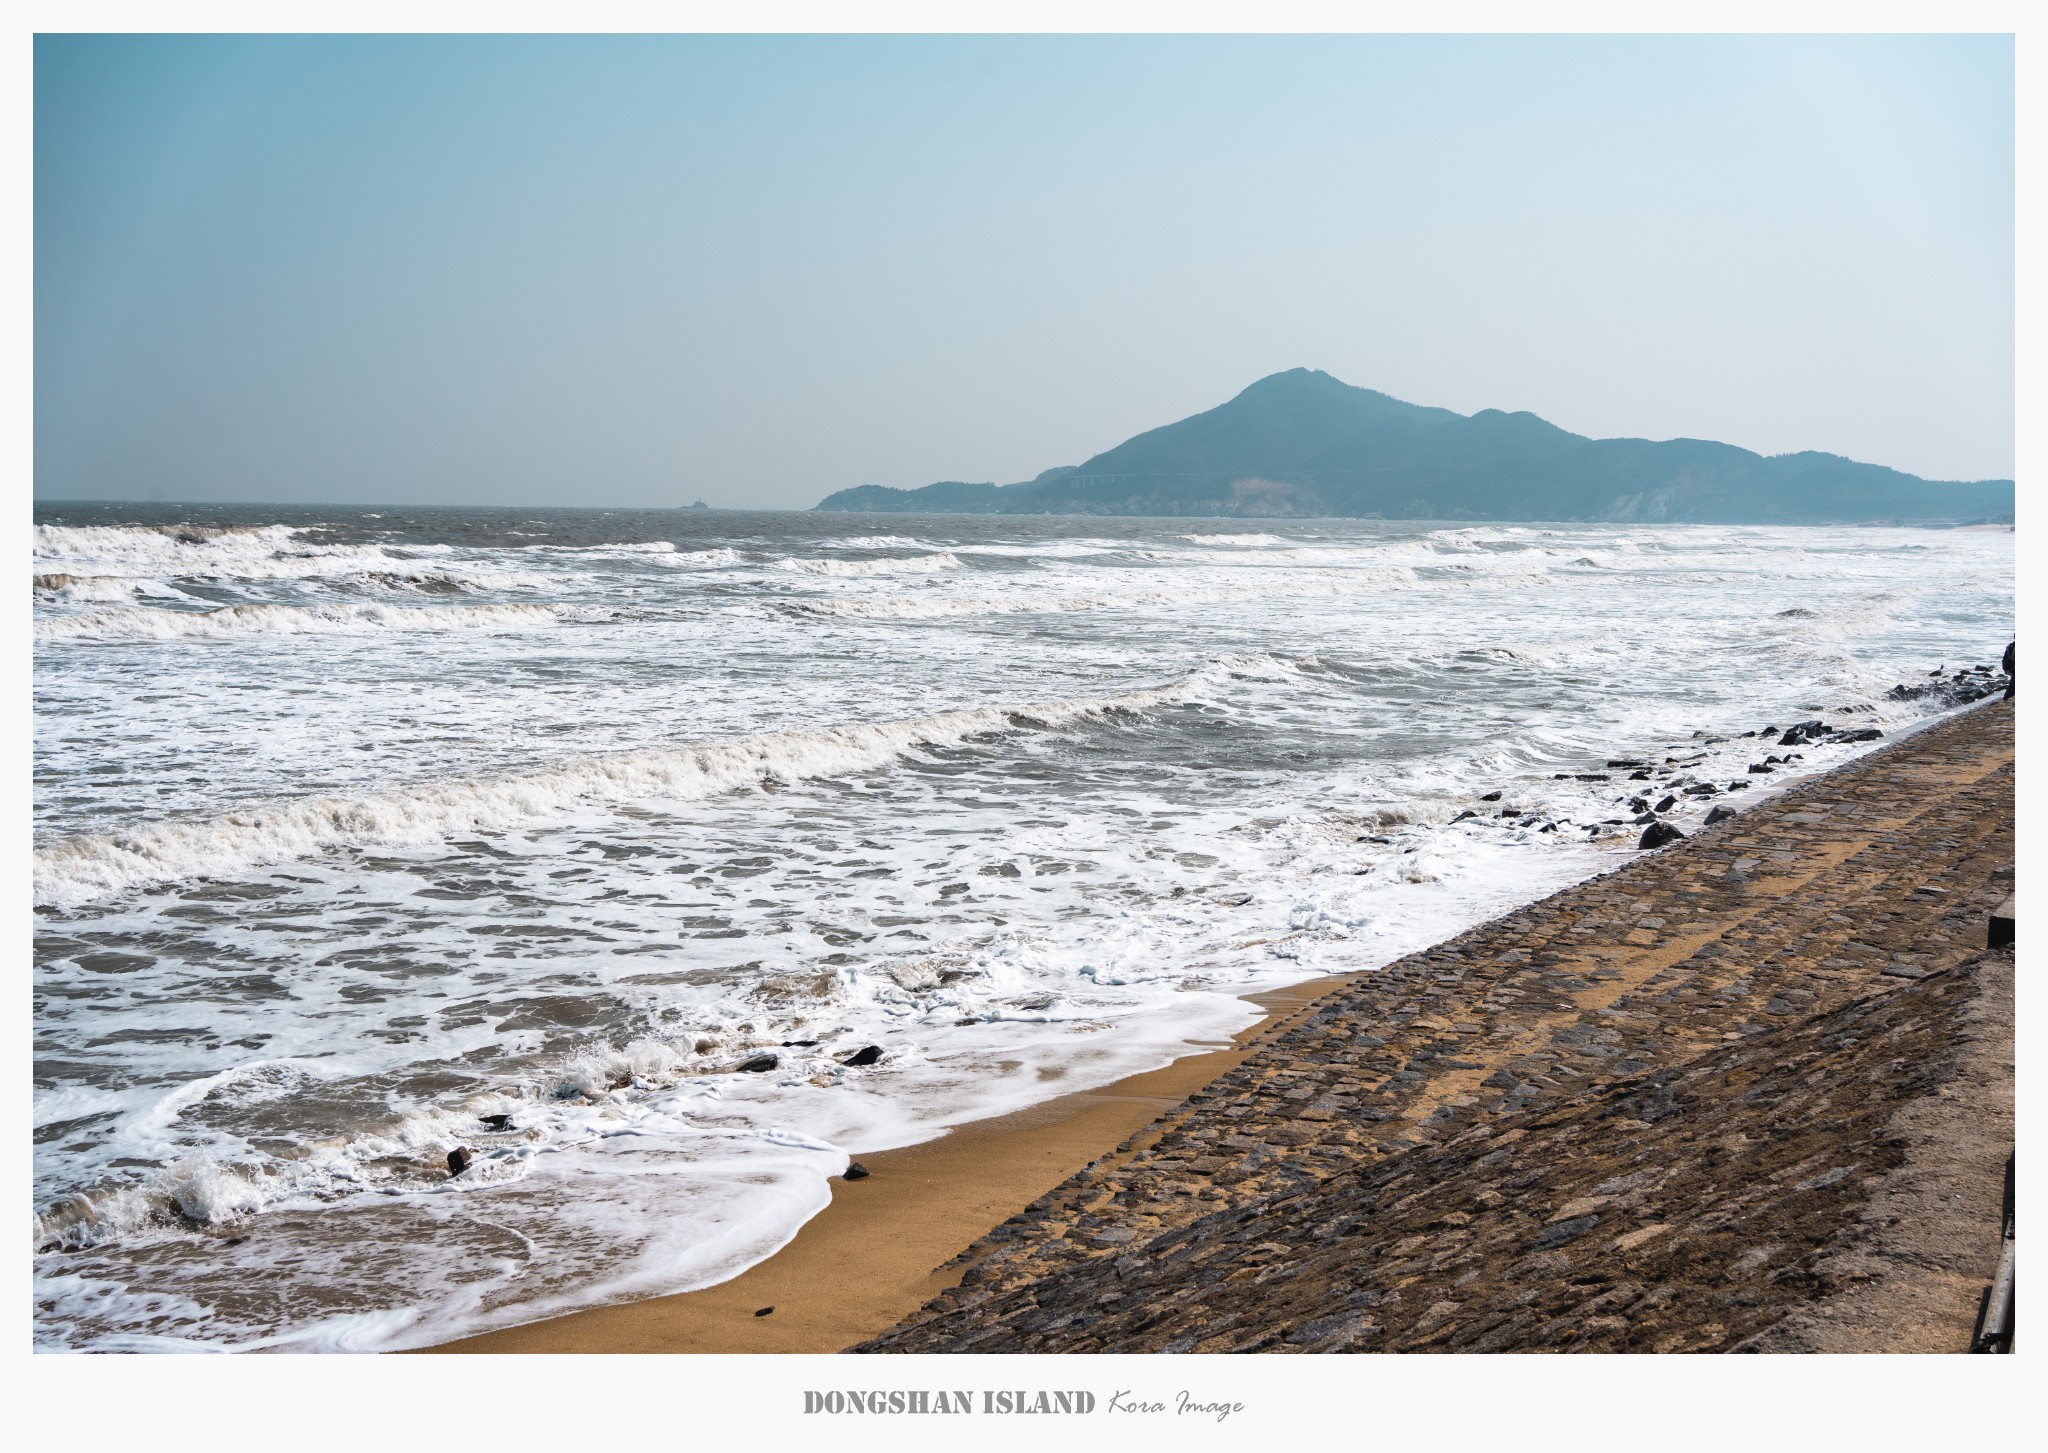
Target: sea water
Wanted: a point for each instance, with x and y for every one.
(353, 827)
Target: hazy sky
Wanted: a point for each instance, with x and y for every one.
(637, 271)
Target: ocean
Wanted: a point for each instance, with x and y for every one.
(629, 829)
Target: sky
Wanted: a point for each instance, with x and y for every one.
(639, 271)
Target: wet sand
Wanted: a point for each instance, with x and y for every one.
(868, 1259)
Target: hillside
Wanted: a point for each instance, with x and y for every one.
(1302, 443)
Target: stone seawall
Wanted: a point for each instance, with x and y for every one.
(1752, 1090)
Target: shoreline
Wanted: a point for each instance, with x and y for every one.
(883, 1246)
(901, 1240)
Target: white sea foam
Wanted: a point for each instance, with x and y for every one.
(80, 869)
(931, 607)
(256, 552)
(157, 542)
(102, 588)
(903, 565)
(714, 559)
(622, 547)
(1246, 541)
(269, 553)
(144, 623)
(1056, 550)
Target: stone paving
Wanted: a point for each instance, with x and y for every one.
(1630, 1015)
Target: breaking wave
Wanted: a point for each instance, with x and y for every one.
(943, 607)
(624, 547)
(157, 550)
(66, 587)
(912, 565)
(706, 559)
(80, 869)
(148, 623)
(255, 553)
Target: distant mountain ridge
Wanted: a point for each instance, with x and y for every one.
(1301, 444)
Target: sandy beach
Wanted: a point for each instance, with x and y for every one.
(877, 1253)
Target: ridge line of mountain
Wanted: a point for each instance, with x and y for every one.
(1302, 444)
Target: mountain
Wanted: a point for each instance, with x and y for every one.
(1302, 443)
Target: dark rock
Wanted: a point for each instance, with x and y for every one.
(1626, 762)
(1592, 777)
(1657, 834)
(1564, 1231)
(1800, 733)
(1491, 797)
(1867, 734)
(459, 1160)
(865, 1056)
(1759, 768)
(1639, 804)
(764, 1311)
(1468, 812)
(1738, 786)
(1701, 789)
(1720, 814)
(857, 1172)
(497, 1122)
(2000, 931)
(1642, 776)
(759, 1064)
(799, 1043)
(1667, 804)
